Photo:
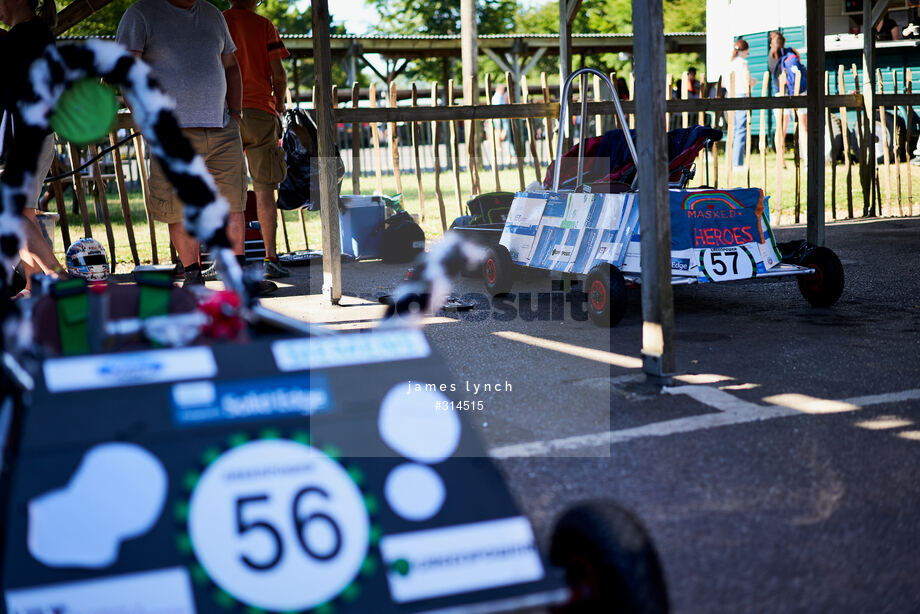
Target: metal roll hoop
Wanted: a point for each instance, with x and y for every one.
(583, 73)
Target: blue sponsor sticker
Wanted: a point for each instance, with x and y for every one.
(556, 205)
(206, 402)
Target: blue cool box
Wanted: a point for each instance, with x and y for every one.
(361, 225)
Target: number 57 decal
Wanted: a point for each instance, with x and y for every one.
(727, 264)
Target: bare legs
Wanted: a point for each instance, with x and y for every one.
(267, 212)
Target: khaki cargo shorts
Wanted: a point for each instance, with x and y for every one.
(261, 132)
(222, 151)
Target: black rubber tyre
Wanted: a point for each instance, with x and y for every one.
(497, 270)
(606, 294)
(609, 561)
(824, 287)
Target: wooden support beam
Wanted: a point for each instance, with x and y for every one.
(75, 12)
(572, 10)
(328, 185)
(532, 61)
(658, 358)
(816, 121)
(501, 62)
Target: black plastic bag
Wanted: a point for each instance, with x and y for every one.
(300, 151)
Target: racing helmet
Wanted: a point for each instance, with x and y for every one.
(86, 258)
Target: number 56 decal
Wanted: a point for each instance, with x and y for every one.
(727, 263)
(333, 535)
(267, 514)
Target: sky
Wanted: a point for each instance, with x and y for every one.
(357, 15)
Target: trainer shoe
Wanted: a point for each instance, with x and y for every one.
(193, 278)
(274, 269)
(266, 287)
(210, 273)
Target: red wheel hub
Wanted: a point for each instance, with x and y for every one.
(816, 279)
(598, 295)
(491, 271)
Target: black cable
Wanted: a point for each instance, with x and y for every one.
(93, 159)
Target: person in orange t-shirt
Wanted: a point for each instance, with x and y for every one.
(259, 51)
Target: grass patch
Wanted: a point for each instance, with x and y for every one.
(509, 181)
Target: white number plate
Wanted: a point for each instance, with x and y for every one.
(727, 263)
(268, 515)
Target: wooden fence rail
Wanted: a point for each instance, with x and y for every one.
(383, 130)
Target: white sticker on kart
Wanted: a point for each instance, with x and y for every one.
(164, 590)
(727, 263)
(278, 525)
(460, 559)
(117, 493)
(128, 369)
(352, 349)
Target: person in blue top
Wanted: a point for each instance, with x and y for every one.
(786, 59)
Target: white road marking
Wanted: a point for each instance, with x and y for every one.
(731, 410)
(610, 358)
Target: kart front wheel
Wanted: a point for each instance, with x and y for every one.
(823, 287)
(609, 561)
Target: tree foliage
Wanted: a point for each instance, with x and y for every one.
(499, 16)
(439, 17)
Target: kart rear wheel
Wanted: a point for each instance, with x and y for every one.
(497, 270)
(609, 561)
(606, 293)
(825, 285)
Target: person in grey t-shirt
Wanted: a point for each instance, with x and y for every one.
(190, 51)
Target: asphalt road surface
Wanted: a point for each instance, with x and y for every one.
(778, 473)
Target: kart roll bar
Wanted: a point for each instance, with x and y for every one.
(583, 73)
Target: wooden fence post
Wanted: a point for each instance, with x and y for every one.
(763, 131)
(780, 150)
(436, 141)
(897, 145)
(493, 133)
(886, 158)
(56, 169)
(669, 86)
(749, 117)
(123, 197)
(103, 207)
(730, 128)
(418, 163)
(455, 148)
(829, 134)
(685, 117)
(78, 190)
(632, 97)
(141, 155)
(796, 148)
(845, 129)
(596, 86)
(909, 89)
(355, 146)
(532, 131)
(394, 141)
(375, 139)
(865, 175)
(515, 130)
(550, 142)
(472, 138)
